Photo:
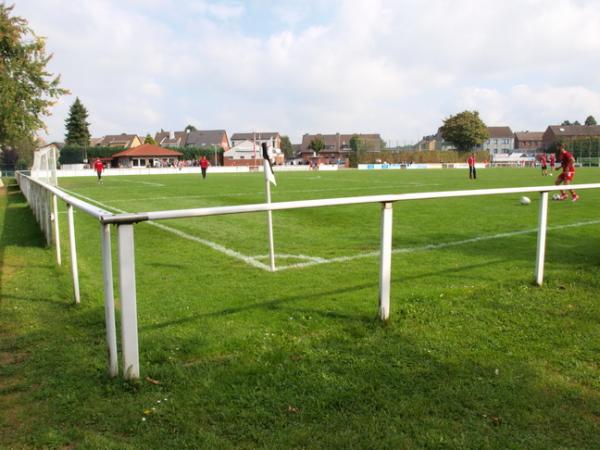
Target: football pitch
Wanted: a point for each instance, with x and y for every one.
(473, 356)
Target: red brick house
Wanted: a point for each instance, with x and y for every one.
(567, 133)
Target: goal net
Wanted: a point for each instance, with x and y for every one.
(44, 164)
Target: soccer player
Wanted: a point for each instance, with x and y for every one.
(99, 167)
(544, 165)
(204, 165)
(552, 162)
(472, 170)
(567, 163)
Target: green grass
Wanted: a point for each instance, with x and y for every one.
(474, 355)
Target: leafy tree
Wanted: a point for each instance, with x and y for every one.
(566, 123)
(190, 128)
(465, 130)
(576, 123)
(317, 144)
(149, 140)
(78, 132)
(286, 147)
(590, 121)
(27, 89)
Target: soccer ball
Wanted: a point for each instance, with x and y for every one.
(556, 197)
(525, 200)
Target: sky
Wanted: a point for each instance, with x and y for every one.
(393, 67)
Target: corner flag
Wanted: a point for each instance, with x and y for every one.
(267, 166)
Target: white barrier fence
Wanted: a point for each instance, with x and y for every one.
(39, 202)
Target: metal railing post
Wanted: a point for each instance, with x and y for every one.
(109, 301)
(129, 330)
(386, 260)
(56, 229)
(541, 238)
(73, 247)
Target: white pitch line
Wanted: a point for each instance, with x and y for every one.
(315, 260)
(149, 183)
(227, 251)
(435, 246)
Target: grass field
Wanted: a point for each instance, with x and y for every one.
(474, 355)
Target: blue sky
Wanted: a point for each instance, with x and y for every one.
(394, 67)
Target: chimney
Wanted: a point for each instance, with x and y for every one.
(171, 135)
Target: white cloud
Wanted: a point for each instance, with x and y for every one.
(397, 67)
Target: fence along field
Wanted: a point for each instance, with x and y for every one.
(320, 235)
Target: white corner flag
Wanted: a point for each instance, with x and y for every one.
(267, 166)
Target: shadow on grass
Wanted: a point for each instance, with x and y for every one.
(321, 295)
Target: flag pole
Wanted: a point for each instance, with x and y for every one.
(268, 177)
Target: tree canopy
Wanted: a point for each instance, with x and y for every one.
(78, 132)
(465, 130)
(317, 144)
(149, 140)
(286, 147)
(590, 121)
(28, 89)
(190, 128)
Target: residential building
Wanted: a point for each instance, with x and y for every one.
(501, 140)
(528, 141)
(193, 138)
(269, 137)
(119, 140)
(249, 153)
(337, 147)
(567, 133)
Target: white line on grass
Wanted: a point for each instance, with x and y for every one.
(149, 183)
(227, 251)
(314, 260)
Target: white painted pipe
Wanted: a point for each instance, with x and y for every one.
(541, 238)
(385, 268)
(56, 229)
(109, 301)
(73, 247)
(129, 331)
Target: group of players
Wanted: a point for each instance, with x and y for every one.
(567, 164)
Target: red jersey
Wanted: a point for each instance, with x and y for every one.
(543, 159)
(567, 162)
(98, 166)
(552, 160)
(204, 163)
(471, 161)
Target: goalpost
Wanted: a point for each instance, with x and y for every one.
(45, 161)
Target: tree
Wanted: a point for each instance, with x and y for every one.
(465, 130)
(149, 140)
(576, 123)
(78, 132)
(317, 144)
(590, 121)
(286, 147)
(27, 89)
(190, 128)
(566, 123)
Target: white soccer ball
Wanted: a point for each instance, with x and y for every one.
(525, 200)
(556, 197)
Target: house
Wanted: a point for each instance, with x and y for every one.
(208, 139)
(528, 141)
(501, 140)
(249, 153)
(146, 155)
(269, 137)
(568, 133)
(193, 138)
(119, 140)
(337, 147)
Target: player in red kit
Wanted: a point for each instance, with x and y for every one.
(204, 165)
(99, 167)
(567, 163)
(472, 170)
(552, 161)
(543, 164)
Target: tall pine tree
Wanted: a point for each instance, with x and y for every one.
(78, 132)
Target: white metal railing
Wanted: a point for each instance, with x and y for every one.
(126, 246)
